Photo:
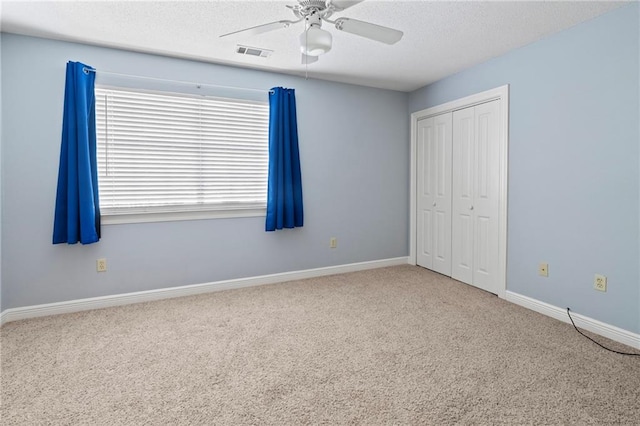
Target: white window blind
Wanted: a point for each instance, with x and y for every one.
(165, 152)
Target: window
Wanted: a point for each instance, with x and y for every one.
(164, 156)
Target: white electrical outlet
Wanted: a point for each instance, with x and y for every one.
(600, 282)
(333, 242)
(543, 269)
(101, 265)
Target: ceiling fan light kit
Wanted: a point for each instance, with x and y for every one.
(315, 41)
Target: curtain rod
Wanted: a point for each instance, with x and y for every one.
(198, 85)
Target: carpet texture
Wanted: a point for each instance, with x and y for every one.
(399, 345)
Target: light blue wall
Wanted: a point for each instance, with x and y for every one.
(574, 182)
(355, 161)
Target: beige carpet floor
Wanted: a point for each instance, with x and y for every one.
(397, 345)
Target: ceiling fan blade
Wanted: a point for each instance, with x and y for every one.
(341, 5)
(307, 59)
(259, 29)
(369, 30)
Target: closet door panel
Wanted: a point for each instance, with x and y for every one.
(486, 196)
(425, 200)
(434, 193)
(442, 199)
(463, 153)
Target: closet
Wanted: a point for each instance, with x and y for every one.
(458, 194)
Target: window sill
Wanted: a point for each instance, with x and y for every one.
(118, 219)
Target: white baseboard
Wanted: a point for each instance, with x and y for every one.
(15, 314)
(609, 331)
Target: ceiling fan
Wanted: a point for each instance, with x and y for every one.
(315, 41)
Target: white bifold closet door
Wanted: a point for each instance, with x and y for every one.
(475, 196)
(434, 193)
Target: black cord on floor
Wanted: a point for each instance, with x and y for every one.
(604, 347)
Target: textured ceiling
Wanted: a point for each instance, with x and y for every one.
(440, 37)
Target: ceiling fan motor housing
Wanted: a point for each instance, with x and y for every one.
(312, 4)
(306, 9)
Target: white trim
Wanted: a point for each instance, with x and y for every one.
(118, 219)
(609, 331)
(78, 305)
(501, 93)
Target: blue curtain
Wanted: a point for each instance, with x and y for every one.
(284, 195)
(77, 214)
